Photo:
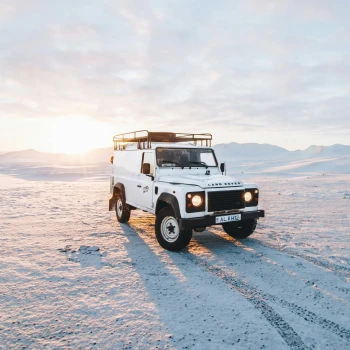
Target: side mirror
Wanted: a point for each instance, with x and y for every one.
(112, 159)
(146, 168)
(222, 167)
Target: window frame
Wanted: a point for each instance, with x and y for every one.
(152, 164)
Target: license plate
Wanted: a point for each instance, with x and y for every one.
(227, 218)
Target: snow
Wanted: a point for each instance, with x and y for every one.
(73, 277)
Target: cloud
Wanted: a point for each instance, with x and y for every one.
(312, 10)
(200, 65)
(9, 9)
(79, 31)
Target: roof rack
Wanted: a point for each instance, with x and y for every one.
(144, 139)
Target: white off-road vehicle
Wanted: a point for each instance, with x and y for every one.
(177, 177)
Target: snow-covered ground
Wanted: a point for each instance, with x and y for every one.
(72, 277)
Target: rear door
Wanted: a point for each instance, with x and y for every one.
(146, 182)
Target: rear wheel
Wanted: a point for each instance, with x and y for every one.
(241, 229)
(168, 232)
(122, 210)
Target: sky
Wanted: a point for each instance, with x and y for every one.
(74, 73)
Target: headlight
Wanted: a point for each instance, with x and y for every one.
(197, 200)
(248, 197)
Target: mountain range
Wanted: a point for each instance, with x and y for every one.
(267, 151)
(228, 151)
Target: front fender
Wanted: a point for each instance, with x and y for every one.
(170, 200)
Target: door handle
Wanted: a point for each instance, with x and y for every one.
(138, 185)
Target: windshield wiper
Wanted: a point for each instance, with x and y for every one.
(170, 162)
(182, 165)
(200, 163)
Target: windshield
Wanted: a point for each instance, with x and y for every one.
(185, 157)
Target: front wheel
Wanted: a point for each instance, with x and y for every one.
(241, 229)
(168, 232)
(122, 210)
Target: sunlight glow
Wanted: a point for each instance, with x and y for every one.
(78, 135)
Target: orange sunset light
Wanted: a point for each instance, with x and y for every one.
(78, 135)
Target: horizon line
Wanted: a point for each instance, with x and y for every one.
(3, 152)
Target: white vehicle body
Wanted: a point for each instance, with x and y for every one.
(146, 182)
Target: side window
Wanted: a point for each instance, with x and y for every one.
(148, 157)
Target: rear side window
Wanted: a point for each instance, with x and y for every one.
(148, 157)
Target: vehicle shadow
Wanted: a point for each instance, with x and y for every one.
(220, 246)
(184, 286)
(161, 284)
(212, 239)
(172, 285)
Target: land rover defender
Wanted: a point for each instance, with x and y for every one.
(176, 176)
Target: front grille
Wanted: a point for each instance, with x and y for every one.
(225, 200)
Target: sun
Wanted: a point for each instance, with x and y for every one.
(74, 135)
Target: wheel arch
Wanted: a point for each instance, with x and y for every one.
(118, 188)
(166, 200)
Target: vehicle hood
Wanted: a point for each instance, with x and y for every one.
(204, 181)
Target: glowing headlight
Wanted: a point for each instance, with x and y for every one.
(248, 197)
(197, 200)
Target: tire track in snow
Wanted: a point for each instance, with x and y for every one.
(337, 269)
(259, 298)
(291, 338)
(288, 334)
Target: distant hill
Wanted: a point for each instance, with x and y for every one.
(224, 152)
(26, 155)
(268, 159)
(269, 152)
(290, 166)
(248, 150)
(30, 155)
(325, 151)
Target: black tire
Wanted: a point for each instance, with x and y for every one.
(168, 232)
(241, 229)
(122, 210)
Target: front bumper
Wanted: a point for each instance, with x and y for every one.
(209, 220)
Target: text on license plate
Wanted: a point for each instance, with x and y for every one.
(227, 218)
